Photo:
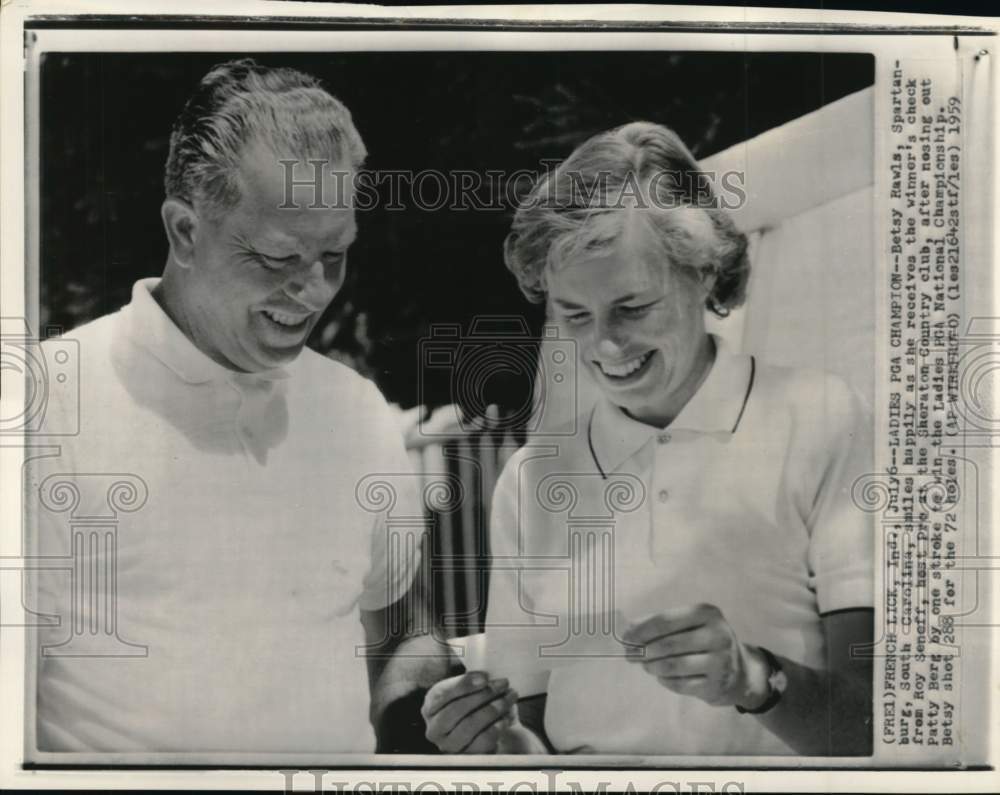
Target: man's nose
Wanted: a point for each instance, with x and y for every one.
(311, 287)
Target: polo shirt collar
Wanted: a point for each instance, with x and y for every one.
(153, 329)
(716, 407)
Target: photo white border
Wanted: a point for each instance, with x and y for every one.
(15, 248)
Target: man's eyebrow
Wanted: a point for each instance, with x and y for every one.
(567, 304)
(342, 240)
(277, 240)
(348, 236)
(246, 239)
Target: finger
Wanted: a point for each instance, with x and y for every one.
(684, 685)
(683, 665)
(486, 742)
(668, 622)
(689, 641)
(448, 690)
(454, 712)
(492, 716)
(463, 719)
(452, 727)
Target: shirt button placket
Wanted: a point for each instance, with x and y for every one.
(660, 522)
(241, 420)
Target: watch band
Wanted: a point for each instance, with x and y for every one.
(776, 681)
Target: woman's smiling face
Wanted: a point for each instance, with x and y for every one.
(638, 325)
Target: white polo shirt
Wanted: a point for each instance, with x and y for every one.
(243, 572)
(743, 502)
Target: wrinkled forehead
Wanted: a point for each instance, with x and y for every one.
(285, 233)
(284, 196)
(291, 181)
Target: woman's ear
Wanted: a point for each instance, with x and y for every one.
(180, 221)
(708, 276)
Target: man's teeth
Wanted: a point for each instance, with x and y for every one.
(622, 370)
(283, 319)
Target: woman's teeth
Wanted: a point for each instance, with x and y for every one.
(622, 370)
(283, 319)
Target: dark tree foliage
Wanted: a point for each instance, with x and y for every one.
(106, 120)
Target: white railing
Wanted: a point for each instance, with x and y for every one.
(456, 555)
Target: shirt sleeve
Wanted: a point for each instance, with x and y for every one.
(398, 531)
(842, 538)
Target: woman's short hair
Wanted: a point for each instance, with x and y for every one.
(239, 102)
(638, 174)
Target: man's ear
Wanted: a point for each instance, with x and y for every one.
(180, 221)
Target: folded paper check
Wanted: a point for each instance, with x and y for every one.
(526, 656)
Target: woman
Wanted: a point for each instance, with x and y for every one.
(744, 570)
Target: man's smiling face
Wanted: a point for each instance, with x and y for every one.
(261, 275)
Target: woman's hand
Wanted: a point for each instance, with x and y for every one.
(467, 714)
(693, 651)
(823, 711)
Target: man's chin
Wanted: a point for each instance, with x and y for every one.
(282, 358)
(266, 357)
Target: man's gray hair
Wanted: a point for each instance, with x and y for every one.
(242, 102)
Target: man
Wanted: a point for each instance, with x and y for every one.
(247, 546)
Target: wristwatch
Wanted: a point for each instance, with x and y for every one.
(777, 681)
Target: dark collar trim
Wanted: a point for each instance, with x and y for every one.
(590, 442)
(590, 420)
(746, 397)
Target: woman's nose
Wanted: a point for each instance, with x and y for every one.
(609, 338)
(609, 348)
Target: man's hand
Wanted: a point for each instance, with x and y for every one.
(693, 651)
(467, 714)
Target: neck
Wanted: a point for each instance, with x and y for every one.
(169, 295)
